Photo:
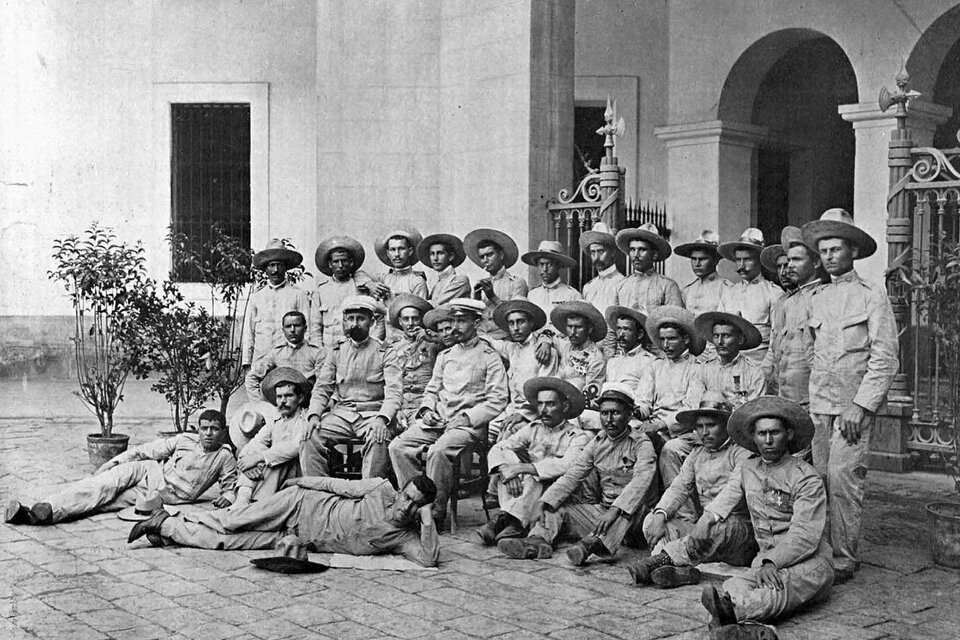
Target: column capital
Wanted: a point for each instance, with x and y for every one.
(712, 132)
(921, 115)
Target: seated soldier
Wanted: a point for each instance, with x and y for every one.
(738, 378)
(357, 517)
(294, 352)
(675, 542)
(357, 395)
(415, 351)
(272, 455)
(180, 468)
(788, 507)
(601, 498)
(528, 461)
(582, 330)
(632, 357)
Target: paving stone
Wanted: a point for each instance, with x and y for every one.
(274, 629)
(114, 619)
(146, 632)
(436, 611)
(75, 601)
(480, 626)
(308, 616)
(348, 630)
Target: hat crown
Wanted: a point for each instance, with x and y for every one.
(366, 303)
(251, 422)
(601, 227)
(837, 215)
(550, 246)
(460, 306)
(713, 399)
(148, 502)
(791, 236)
(752, 235)
(649, 227)
(616, 387)
(709, 237)
(275, 243)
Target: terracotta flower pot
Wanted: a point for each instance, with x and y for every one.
(100, 448)
(944, 520)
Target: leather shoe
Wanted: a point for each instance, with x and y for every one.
(842, 575)
(16, 513)
(640, 571)
(671, 577)
(488, 532)
(744, 631)
(41, 514)
(581, 551)
(525, 548)
(150, 525)
(719, 606)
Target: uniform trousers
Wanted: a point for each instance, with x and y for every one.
(112, 490)
(272, 480)
(520, 507)
(578, 519)
(803, 582)
(336, 429)
(731, 541)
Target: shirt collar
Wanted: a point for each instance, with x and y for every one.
(756, 280)
(470, 343)
(500, 275)
(446, 272)
(609, 271)
(359, 345)
(295, 346)
(710, 278)
(849, 276)
(731, 363)
(277, 286)
(553, 285)
(401, 272)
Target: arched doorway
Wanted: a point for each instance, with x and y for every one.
(790, 83)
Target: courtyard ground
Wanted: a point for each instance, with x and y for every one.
(82, 580)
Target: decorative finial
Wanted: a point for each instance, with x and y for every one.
(901, 97)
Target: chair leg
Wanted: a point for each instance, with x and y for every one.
(454, 494)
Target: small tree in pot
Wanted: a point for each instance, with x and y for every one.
(107, 283)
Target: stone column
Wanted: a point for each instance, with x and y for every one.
(711, 180)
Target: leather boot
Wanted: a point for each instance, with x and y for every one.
(640, 571)
(41, 514)
(488, 532)
(16, 513)
(150, 525)
(525, 548)
(671, 577)
(744, 631)
(512, 529)
(719, 606)
(588, 546)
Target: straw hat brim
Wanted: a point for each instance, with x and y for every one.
(268, 386)
(577, 401)
(283, 564)
(401, 302)
(741, 422)
(344, 243)
(537, 315)
(565, 261)
(615, 311)
(671, 316)
(705, 322)
(130, 513)
(471, 245)
(435, 316)
(380, 244)
(728, 250)
(588, 238)
(769, 256)
(423, 249)
(560, 314)
(289, 257)
(689, 416)
(626, 236)
(686, 250)
(814, 232)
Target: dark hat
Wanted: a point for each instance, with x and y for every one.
(670, 314)
(708, 241)
(471, 245)
(552, 250)
(533, 386)
(293, 558)
(751, 238)
(435, 316)
(617, 391)
(560, 313)
(713, 403)
(408, 232)
(452, 241)
(615, 312)
(705, 322)
(740, 425)
(537, 316)
(148, 503)
(283, 374)
(599, 234)
(343, 243)
(838, 223)
(276, 250)
(647, 232)
(403, 300)
(770, 255)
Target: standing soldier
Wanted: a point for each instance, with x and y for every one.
(773, 258)
(494, 252)
(295, 352)
(709, 287)
(581, 328)
(262, 324)
(415, 353)
(854, 362)
(397, 249)
(443, 253)
(549, 259)
(601, 246)
(339, 259)
(645, 289)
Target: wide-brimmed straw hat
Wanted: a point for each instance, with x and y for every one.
(615, 312)
(712, 403)
(276, 250)
(268, 387)
(708, 241)
(148, 503)
(564, 310)
(537, 316)
(452, 241)
(770, 255)
(472, 241)
(245, 424)
(838, 223)
(293, 558)
(552, 250)
(403, 300)
(670, 314)
(647, 232)
(707, 320)
(405, 231)
(533, 386)
(740, 425)
(599, 234)
(343, 243)
(791, 237)
(751, 239)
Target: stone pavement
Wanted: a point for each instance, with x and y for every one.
(82, 580)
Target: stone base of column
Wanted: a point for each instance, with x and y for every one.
(888, 442)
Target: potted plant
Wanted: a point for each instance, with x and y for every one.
(106, 281)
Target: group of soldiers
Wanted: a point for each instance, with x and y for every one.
(635, 411)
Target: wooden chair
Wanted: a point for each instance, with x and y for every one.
(480, 480)
(346, 459)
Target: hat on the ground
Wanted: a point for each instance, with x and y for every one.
(618, 392)
(403, 300)
(838, 223)
(148, 503)
(740, 425)
(292, 558)
(537, 315)
(465, 307)
(276, 250)
(405, 231)
(670, 314)
(564, 310)
(647, 232)
(751, 239)
(615, 312)
(552, 250)
(363, 303)
(770, 255)
(244, 425)
(712, 403)
(343, 243)
(268, 387)
(708, 241)
(452, 241)
(435, 316)
(707, 320)
(472, 241)
(600, 234)
(533, 386)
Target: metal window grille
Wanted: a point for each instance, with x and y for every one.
(210, 176)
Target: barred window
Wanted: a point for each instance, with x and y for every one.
(210, 175)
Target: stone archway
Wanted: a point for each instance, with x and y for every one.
(934, 68)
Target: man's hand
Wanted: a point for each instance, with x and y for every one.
(511, 471)
(380, 431)
(851, 423)
(106, 466)
(462, 421)
(611, 516)
(378, 290)
(511, 424)
(256, 473)
(514, 487)
(485, 285)
(221, 502)
(536, 514)
(291, 482)
(543, 352)
(655, 528)
(431, 418)
(700, 535)
(250, 460)
(767, 576)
